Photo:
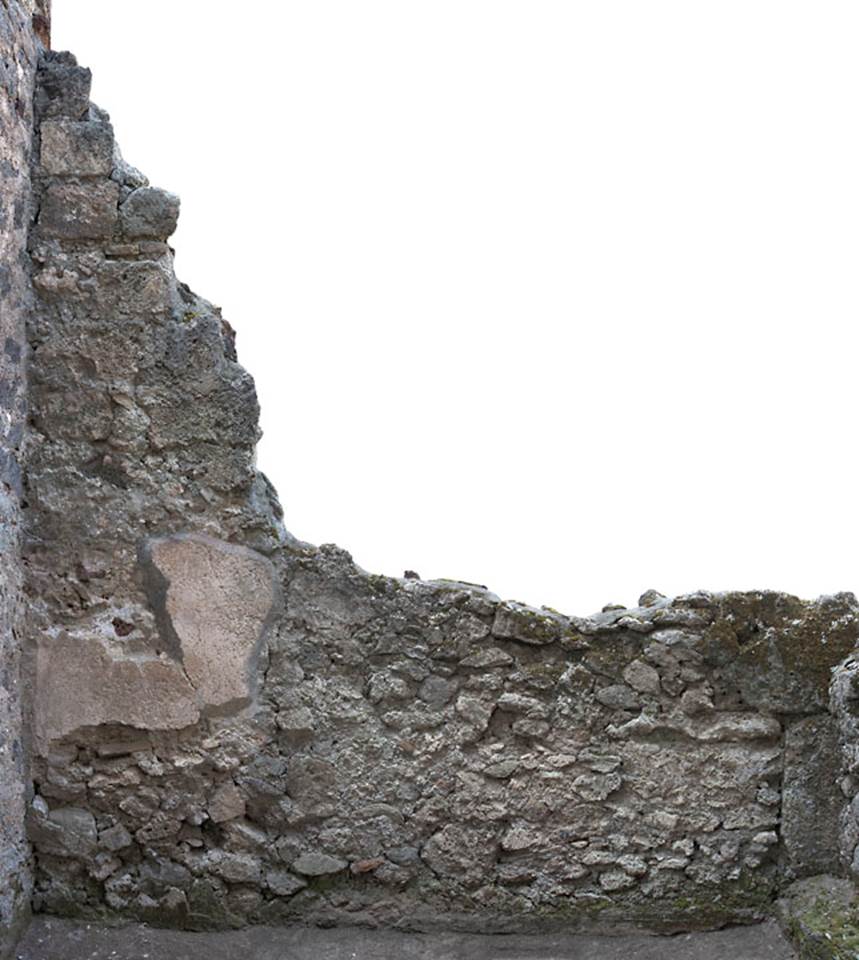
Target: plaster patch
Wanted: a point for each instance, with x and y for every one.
(212, 601)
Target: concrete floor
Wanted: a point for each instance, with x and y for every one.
(51, 939)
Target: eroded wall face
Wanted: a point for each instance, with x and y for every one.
(17, 67)
(235, 727)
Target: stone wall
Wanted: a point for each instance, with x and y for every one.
(232, 726)
(17, 68)
(844, 692)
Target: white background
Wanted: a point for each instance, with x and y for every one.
(560, 297)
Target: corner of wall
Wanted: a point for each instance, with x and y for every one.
(23, 25)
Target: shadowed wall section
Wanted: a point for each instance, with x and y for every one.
(18, 51)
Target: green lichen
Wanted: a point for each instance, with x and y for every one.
(380, 584)
(780, 650)
(826, 930)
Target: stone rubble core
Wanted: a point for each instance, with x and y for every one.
(231, 726)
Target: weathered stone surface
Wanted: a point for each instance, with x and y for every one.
(71, 147)
(227, 803)
(85, 210)
(315, 864)
(149, 212)
(812, 803)
(63, 87)
(725, 726)
(844, 707)
(64, 832)
(282, 883)
(642, 677)
(115, 838)
(18, 53)
(463, 853)
(821, 916)
(517, 621)
(488, 657)
(618, 697)
(235, 867)
(780, 651)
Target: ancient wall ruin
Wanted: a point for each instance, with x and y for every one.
(229, 726)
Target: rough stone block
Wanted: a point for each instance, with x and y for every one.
(234, 867)
(149, 212)
(72, 147)
(64, 832)
(461, 852)
(115, 838)
(812, 803)
(79, 211)
(282, 883)
(642, 677)
(516, 621)
(227, 803)
(63, 87)
(314, 864)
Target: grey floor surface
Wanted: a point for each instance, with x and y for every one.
(52, 939)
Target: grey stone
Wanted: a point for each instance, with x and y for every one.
(74, 210)
(227, 803)
(476, 710)
(18, 58)
(296, 723)
(461, 852)
(315, 864)
(282, 883)
(693, 702)
(594, 786)
(149, 212)
(614, 880)
(520, 836)
(618, 696)
(76, 148)
(516, 621)
(436, 692)
(235, 867)
(642, 677)
(501, 769)
(63, 87)
(115, 838)
(65, 832)
(812, 804)
(489, 657)
(519, 703)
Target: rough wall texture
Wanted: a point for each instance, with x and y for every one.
(845, 708)
(17, 69)
(232, 726)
